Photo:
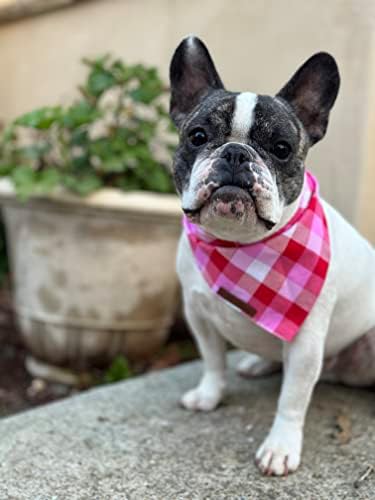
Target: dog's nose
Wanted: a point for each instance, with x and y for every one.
(236, 154)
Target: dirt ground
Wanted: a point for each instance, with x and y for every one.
(19, 391)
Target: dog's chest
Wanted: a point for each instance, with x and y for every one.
(212, 311)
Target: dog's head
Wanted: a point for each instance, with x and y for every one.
(239, 166)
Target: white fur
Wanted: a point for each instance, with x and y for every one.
(253, 365)
(270, 206)
(200, 171)
(243, 116)
(344, 311)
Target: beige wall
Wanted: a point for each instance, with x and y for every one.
(256, 44)
(365, 216)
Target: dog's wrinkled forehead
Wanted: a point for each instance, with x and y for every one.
(215, 112)
(197, 90)
(243, 117)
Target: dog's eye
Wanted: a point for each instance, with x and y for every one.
(281, 150)
(198, 137)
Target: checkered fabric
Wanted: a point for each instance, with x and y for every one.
(276, 281)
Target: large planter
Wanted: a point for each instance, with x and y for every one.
(93, 278)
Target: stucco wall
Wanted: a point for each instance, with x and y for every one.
(365, 218)
(256, 44)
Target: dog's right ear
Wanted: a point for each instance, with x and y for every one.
(192, 75)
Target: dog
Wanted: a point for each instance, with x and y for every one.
(239, 170)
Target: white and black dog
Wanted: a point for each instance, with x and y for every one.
(240, 169)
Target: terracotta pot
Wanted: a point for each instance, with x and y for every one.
(93, 277)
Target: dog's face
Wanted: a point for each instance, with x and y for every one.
(239, 167)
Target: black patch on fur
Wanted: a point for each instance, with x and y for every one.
(312, 91)
(275, 121)
(192, 75)
(214, 114)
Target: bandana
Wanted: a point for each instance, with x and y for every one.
(276, 281)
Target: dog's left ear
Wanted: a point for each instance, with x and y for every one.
(192, 75)
(312, 91)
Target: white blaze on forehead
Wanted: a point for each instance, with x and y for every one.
(243, 116)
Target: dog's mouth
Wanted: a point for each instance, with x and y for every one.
(229, 202)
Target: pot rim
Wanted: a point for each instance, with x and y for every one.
(143, 204)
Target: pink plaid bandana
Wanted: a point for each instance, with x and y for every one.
(275, 281)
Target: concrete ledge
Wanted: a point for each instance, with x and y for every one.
(132, 441)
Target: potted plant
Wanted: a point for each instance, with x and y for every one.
(91, 221)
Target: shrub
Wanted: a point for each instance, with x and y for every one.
(116, 134)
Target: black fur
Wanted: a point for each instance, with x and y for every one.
(298, 115)
(312, 92)
(214, 115)
(274, 122)
(193, 75)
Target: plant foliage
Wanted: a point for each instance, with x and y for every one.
(116, 134)
(118, 370)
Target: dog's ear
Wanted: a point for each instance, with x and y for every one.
(192, 75)
(312, 91)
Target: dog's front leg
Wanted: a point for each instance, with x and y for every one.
(280, 453)
(209, 392)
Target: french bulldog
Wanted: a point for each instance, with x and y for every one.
(239, 169)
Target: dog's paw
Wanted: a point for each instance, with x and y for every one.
(206, 396)
(280, 453)
(255, 366)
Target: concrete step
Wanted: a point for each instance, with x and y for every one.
(131, 440)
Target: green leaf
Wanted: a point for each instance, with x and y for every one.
(81, 165)
(79, 137)
(147, 92)
(80, 114)
(97, 63)
(121, 72)
(8, 133)
(23, 174)
(47, 181)
(113, 164)
(6, 169)
(118, 370)
(36, 151)
(82, 185)
(99, 81)
(128, 183)
(24, 179)
(160, 181)
(41, 118)
(29, 182)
